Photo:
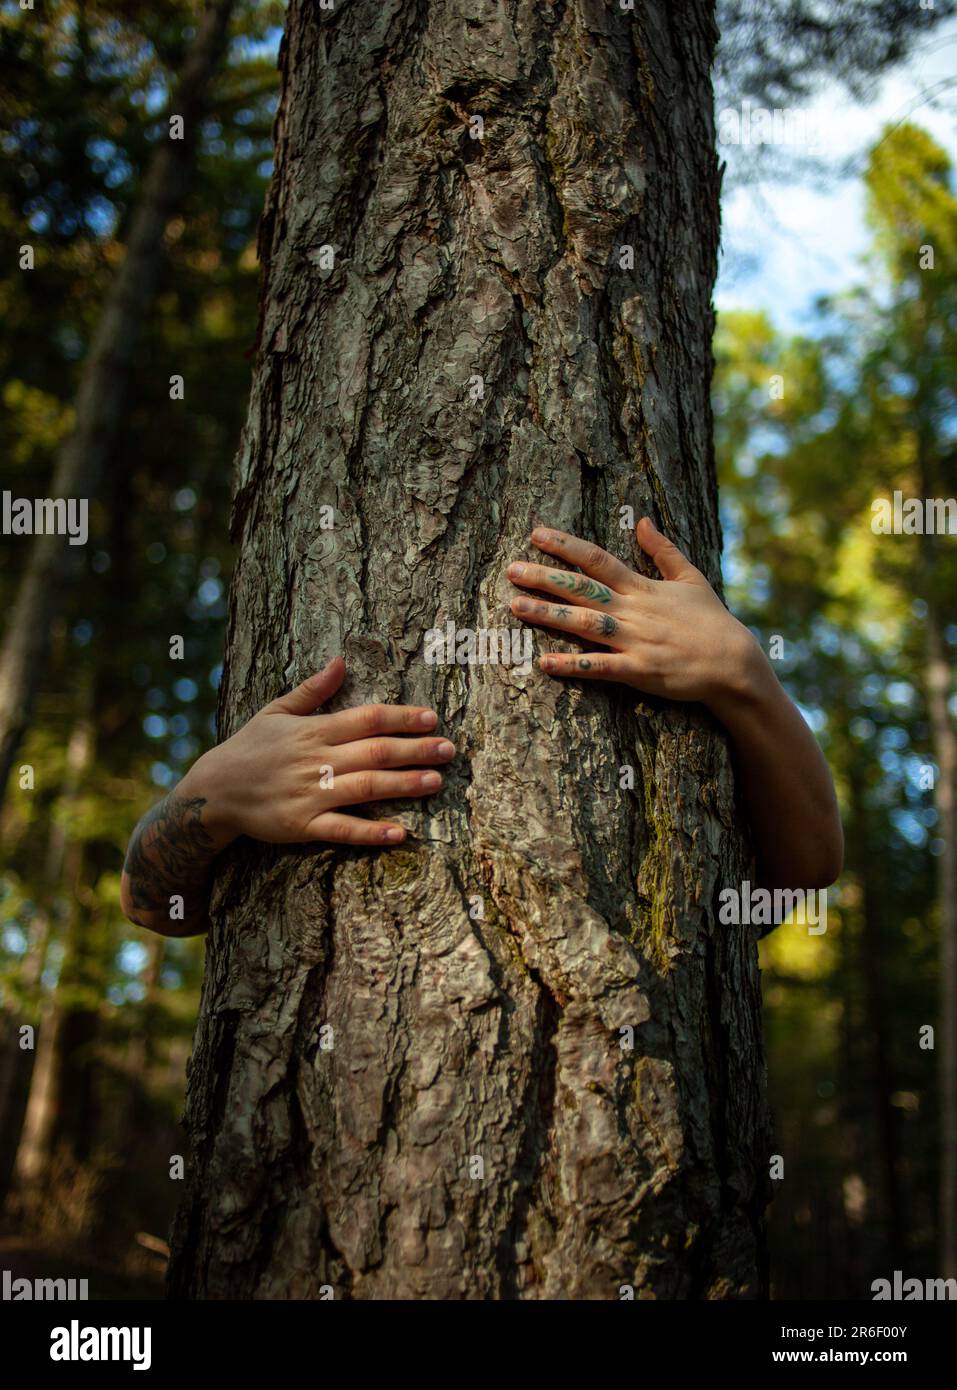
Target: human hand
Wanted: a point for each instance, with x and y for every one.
(283, 776)
(671, 637)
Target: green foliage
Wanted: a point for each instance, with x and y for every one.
(868, 407)
(81, 114)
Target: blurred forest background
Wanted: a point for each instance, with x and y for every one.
(809, 432)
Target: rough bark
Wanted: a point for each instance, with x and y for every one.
(101, 393)
(456, 1037)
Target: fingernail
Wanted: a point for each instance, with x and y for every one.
(394, 833)
(428, 719)
(445, 750)
(522, 605)
(317, 678)
(516, 571)
(430, 781)
(541, 535)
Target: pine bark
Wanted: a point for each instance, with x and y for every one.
(478, 980)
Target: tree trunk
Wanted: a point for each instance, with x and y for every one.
(62, 860)
(479, 1127)
(33, 1151)
(879, 1071)
(944, 743)
(101, 394)
(141, 1046)
(63, 1111)
(938, 683)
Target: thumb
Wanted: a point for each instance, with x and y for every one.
(671, 562)
(314, 691)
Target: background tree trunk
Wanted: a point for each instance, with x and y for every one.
(944, 737)
(493, 1037)
(23, 1098)
(938, 683)
(101, 393)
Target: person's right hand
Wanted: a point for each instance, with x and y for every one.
(284, 776)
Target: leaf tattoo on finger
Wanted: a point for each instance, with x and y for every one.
(584, 587)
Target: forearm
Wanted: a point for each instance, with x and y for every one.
(169, 863)
(785, 778)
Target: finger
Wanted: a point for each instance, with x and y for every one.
(365, 721)
(358, 787)
(588, 557)
(392, 752)
(602, 666)
(671, 562)
(313, 692)
(582, 622)
(352, 830)
(575, 588)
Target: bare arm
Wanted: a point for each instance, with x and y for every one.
(282, 778)
(168, 868)
(674, 637)
(784, 776)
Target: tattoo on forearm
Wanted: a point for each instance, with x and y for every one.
(583, 586)
(170, 852)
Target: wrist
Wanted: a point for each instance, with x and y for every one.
(747, 680)
(203, 782)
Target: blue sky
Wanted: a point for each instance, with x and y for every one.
(785, 243)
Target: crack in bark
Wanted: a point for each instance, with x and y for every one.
(530, 1171)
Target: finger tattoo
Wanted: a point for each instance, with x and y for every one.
(584, 587)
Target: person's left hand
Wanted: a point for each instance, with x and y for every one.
(671, 637)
